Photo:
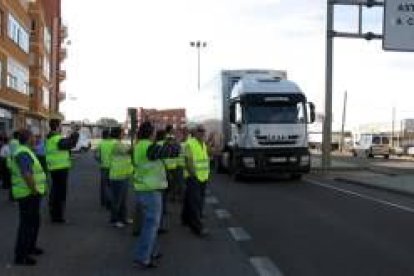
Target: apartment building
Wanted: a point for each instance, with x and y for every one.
(31, 52)
(162, 118)
(14, 63)
(58, 53)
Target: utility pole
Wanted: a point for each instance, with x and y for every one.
(393, 126)
(198, 45)
(327, 122)
(343, 121)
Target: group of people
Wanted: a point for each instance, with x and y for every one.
(31, 168)
(161, 166)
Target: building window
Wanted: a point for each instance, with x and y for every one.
(17, 76)
(46, 67)
(46, 97)
(18, 34)
(47, 39)
(1, 22)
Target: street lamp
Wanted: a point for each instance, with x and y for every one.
(198, 45)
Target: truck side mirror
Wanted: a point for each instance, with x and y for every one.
(312, 112)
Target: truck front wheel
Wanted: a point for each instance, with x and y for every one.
(220, 169)
(296, 176)
(235, 168)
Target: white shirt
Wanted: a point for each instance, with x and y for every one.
(5, 151)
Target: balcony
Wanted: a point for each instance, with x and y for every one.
(63, 32)
(63, 54)
(62, 75)
(62, 96)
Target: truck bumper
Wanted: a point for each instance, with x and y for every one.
(271, 161)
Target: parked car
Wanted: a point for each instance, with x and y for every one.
(399, 151)
(370, 145)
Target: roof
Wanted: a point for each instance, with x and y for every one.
(265, 85)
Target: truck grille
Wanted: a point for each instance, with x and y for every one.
(276, 140)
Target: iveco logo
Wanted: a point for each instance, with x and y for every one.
(277, 137)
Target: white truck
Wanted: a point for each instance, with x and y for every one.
(264, 124)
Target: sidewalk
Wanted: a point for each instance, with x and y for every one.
(398, 183)
(391, 167)
(337, 164)
(87, 245)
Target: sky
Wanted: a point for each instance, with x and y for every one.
(130, 53)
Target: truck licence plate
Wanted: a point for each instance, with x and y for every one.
(278, 159)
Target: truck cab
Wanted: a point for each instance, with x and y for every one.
(268, 133)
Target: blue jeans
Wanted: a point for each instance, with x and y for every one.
(151, 206)
(119, 191)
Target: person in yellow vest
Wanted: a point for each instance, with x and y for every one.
(182, 139)
(102, 154)
(198, 173)
(7, 151)
(120, 172)
(58, 164)
(149, 182)
(172, 164)
(28, 187)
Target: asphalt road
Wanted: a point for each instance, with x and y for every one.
(88, 246)
(310, 227)
(322, 228)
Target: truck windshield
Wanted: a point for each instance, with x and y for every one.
(289, 113)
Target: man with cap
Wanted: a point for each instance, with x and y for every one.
(197, 176)
(58, 163)
(28, 187)
(103, 153)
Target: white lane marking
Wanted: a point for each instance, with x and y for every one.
(222, 213)
(212, 200)
(265, 267)
(384, 202)
(239, 234)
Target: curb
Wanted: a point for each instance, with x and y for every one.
(391, 171)
(373, 186)
(338, 169)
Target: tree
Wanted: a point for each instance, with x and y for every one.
(107, 122)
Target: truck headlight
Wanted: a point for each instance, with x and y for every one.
(304, 160)
(249, 162)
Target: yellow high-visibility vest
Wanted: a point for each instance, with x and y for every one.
(200, 159)
(148, 175)
(19, 185)
(120, 163)
(56, 159)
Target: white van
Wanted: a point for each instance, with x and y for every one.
(370, 145)
(84, 142)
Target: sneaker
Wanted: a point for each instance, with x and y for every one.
(201, 233)
(119, 225)
(162, 231)
(37, 251)
(157, 256)
(59, 221)
(145, 266)
(27, 261)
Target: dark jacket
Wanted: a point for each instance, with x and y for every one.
(67, 143)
